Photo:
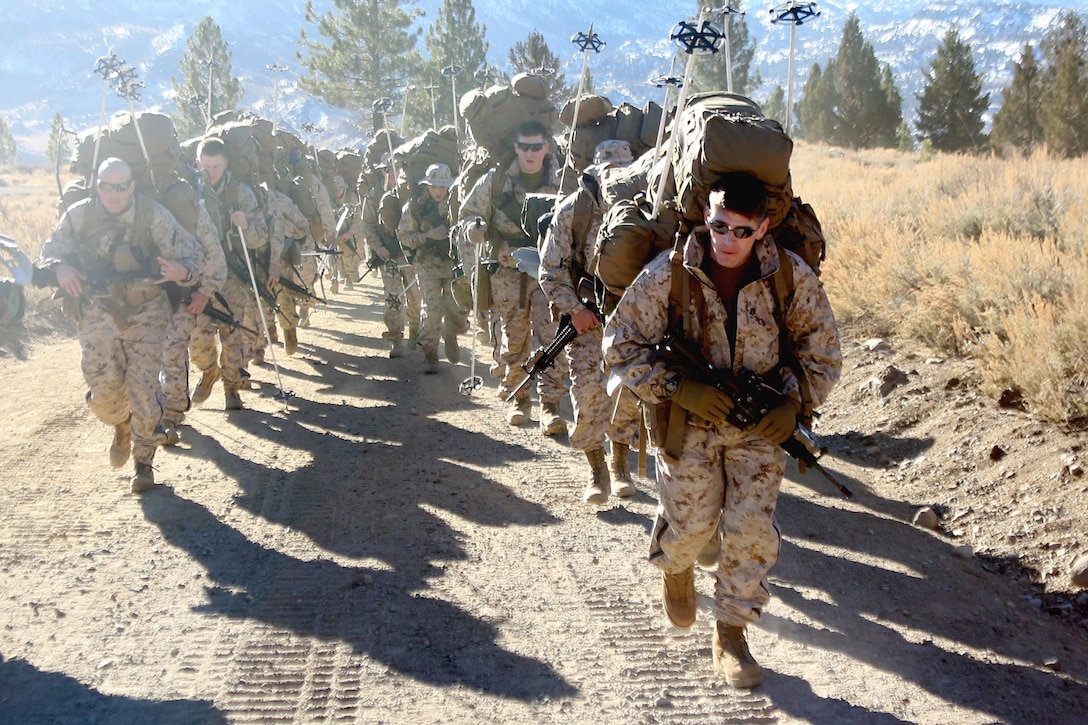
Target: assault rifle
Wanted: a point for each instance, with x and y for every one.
(545, 357)
(753, 397)
(227, 318)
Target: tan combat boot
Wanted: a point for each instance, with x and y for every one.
(204, 387)
(430, 362)
(732, 658)
(233, 401)
(622, 484)
(396, 347)
(121, 447)
(258, 356)
(551, 423)
(518, 410)
(144, 479)
(596, 492)
(678, 593)
(708, 555)
(290, 341)
(453, 350)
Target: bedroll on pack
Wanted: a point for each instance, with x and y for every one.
(493, 115)
(384, 139)
(599, 121)
(628, 239)
(717, 133)
(430, 147)
(237, 136)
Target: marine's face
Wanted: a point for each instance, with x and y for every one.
(732, 236)
(531, 152)
(214, 167)
(115, 190)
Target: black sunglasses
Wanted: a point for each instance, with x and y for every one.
(530, 146)
(107, 186)
(723, 228)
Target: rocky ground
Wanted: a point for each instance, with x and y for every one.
(385, 549)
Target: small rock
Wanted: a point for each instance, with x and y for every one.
(997, 453)
(874, 344)
(963, 552)
(1078, 571)
(888, 380)
(1011, 399)
(927, 518)
(1053, 664)
(934, 361)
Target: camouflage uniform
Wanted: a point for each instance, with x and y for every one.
(237, 290)
(175, 359)
(518, 302)
(289, 223)
(122, 332)
(563, 262)
(723, 473)
(400, 305)
(442, 317)
(347, 262)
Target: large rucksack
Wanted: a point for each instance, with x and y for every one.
(493, 115)
(431, 147)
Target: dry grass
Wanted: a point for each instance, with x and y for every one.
(980, 257)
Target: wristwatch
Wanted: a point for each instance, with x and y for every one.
(670, 384)
(188, 276)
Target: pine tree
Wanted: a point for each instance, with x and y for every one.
(368, 52)
(863, 116)
(891, 128)
(1016, 124)
(775, 107)
(455, 38)
(952, 102)
(534, 55)
(206, 64)
(709, 72)
(57, 148)
(9, 153)
(1063, 112)
(816, 109)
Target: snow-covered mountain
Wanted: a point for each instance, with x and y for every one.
(51, 48)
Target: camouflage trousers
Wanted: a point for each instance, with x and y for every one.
(521, 311)
(175, 367)
(402, 301)
(594, 422)
(441, 314)
(208, 335)
(727, 479)
(346, 265)
(121, 369)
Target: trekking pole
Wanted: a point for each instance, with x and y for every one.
(474, 382)
(283, 394)
(452, 71)
(108, 67)
(585, 43)
(129, 88)
(669, 82)
(700, 38)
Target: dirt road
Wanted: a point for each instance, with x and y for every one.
(388, 550)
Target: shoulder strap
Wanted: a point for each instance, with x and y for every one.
(783, 287)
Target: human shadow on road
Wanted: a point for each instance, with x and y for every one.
(32, 695)
(923, 587)
(376, 612)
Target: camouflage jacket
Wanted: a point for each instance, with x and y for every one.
(641, 320)
(421, 214)
(502, 211)
(564, 258)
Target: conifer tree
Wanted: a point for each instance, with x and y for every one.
(775, 107)
(533, 54)
(816, 109)
(1016, 124)
(891, 127)
(863, 110)
(205, 76)
(9, 153)
(709, 72)
(1063, 112)
(455, 38)
(57, 147)
(951, 105)
(366, 52)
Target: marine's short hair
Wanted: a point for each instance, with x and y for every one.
(740, 192)
(211, 146)
(530, 128)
